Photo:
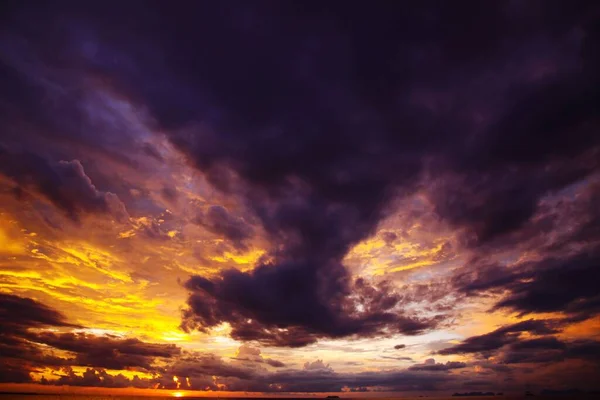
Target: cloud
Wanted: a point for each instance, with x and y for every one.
(334, 118)
(14, 373)
(508, 345)
(500, 337)
(391, 380)
(315, 376)
(107, 352)
(399, 346)
(560, 285)
(389, 237)
(98, 377)
(23, 333)
(317, 365)
(313, 152)
(65, 184)
(277, 305)
(219, 221)
(398, 358)
(314, 211)
(552, 284)
(201, 371)
(433, 366)
(17, 314)
(26, 344)
(550, 350)
(247, 352)
(565, 245)
(205, 364)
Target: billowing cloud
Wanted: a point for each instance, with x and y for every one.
(508, 345)
(97, 377)
(553, 284)
(186, 182)
(433, 366)
(314, 211)
(318, 181)
(280, 306)
(107, 352)
(25, 343)
(550, 350)
(500, 337)
(253, 354)
(17, 316)
(219, 221)
(65, 184)
(103, 356)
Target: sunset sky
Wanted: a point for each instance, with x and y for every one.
(283, 196)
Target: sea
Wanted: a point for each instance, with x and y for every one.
(122, 397)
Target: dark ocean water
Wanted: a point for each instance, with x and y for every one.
(122, 397)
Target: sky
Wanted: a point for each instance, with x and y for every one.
(273, 197)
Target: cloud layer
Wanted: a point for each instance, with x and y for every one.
(184, 181)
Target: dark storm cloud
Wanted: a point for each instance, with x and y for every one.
(107, 352)
(567, 241)
(64, 183)
(14, 374)
(206, 371)
(209, 365)
(543, 350)
(389, 237)
(564, 285)
(98, 377)
(539, 343)
(253, 355)
(245, 372)
(275, 363)
(492, 205)
(320, 180)
(17, 314)
(315, 376)
(22, 352)
(508, 346)
(556, 284)
(397, 358)
(279, 306)
(219, 221)
(393, 380)
(169, 193)
(550, 350)
(500, 337)
(432, 367)
(318, 115)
